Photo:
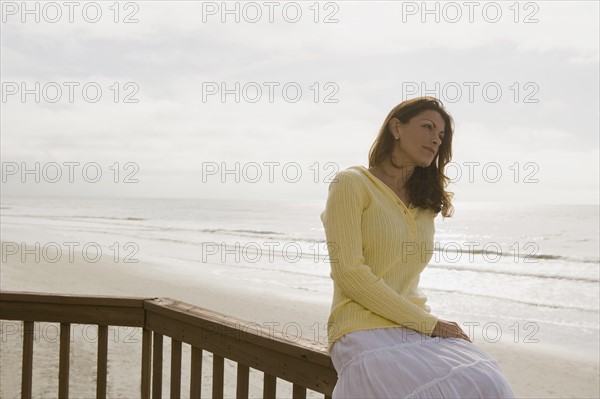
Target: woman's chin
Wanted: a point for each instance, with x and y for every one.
(425, 163)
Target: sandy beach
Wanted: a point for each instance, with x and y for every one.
(534, 371)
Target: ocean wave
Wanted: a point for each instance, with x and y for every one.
(321, 277)
(529, 303)
(52, 217)
(131, 218)
(241, 232)
(514, 273)
(283, 237)
(509, 254)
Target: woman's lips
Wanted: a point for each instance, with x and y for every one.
(430, 150)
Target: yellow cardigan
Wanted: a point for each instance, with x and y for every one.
(377, 249)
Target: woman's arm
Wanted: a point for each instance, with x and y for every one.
(342, 223)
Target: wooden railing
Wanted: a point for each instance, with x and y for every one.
(303, 363)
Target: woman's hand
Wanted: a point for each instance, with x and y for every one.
(449, 329)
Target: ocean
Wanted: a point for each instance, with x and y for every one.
(531, 269)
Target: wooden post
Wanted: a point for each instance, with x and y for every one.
(196, 373)
(26, 369)
(299, 392)
(101, 369)
(63, 363)
(242, 381)
(157, 366)
(269, 386)
(175, 368)
(146, 362)
(217, 380)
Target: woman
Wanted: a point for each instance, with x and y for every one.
(379, 224)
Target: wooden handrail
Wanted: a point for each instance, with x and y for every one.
(303, 363)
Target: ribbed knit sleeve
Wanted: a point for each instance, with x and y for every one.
(343, 229)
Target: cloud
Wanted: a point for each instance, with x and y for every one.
(547, 74)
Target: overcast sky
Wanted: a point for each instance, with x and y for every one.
(521, 81)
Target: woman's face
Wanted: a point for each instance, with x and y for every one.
(423, 133)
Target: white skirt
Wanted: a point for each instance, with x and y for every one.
(403, 363)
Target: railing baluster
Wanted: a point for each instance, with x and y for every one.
(26, 370)
(157, 366)
(63, 363)
(269, 386)
(175, 368)
(217, 381)
(242, 380)
(101, 369)
(299, 392)
(146, 362)
(196, 373)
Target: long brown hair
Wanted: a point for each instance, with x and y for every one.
(426, 186)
